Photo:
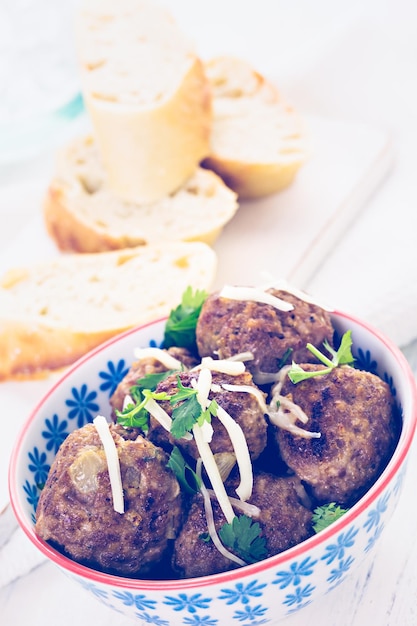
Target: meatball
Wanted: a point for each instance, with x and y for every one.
(75, 510)
(283, 519)
(354, 412)
(243, 407)
(227, 327)
(143, 367)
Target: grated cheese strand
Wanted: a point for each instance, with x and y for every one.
(254, 391)
(251, 510)
(113, 462)
(213, 473)
(127, 400)
(236, 435)
(254, 294)
(241, 356)
(203, 387)
(240, 447)
(286, 421)
(282, 285)
(211, 527)
(223, 366)
(159, 414)
(167, 360)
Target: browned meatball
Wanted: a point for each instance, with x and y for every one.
(243, 407)
(75, 511)
(283, 519)
(354, 412)
(228, 327)
(141, 368)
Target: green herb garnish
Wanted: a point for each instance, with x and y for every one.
(325, 515)
(343, 356)
(243, 538)
(149, 381)
(189, 411)
(184, 473)
(182, 321)
(135, 414)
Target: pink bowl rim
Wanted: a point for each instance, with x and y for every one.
(81, 571)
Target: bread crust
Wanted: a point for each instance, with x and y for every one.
(72, 234)
(33, 351)
(81, 213)
(147, 96)
(243, 99)
(53, 313)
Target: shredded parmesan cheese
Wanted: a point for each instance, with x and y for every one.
(240, 447)
(235, 433)
(224, 366)
(127, 400)
(213, 473)
(208, 509)
(251, 510)
(159, 414)
(113, 462)
(256, 295)
(241, 356)
(254, 391)
(282, 285)
(264, 378)
(203, 386)
(167, 360)
(286, 419)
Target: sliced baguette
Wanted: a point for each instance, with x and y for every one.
(146, 93)
(83, 215)
(54, 312)
(258, 142)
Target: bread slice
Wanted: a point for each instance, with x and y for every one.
(83, 215)
(56, 311)
(146, 93)
(258, 142)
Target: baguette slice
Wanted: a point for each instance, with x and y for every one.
(258, 142)
(82, 215)
(56, 311)
(146, 93)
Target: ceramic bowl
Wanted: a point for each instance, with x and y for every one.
(261, 593)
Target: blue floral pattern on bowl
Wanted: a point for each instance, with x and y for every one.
(259, 594)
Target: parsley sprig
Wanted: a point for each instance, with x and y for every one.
(326, 514)
(135, 414)
(188, 411)
(182, 321)
(343, 356)
(243, 537)
(184, 473)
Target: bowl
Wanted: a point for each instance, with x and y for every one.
(264, 592)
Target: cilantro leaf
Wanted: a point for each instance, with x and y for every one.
(185, 475)
(343, 356)
(182, 321)
(325, 515)
(243, 537)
